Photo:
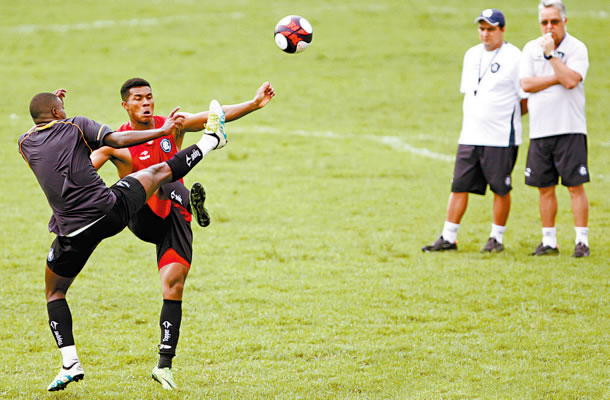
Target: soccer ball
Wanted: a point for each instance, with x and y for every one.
(293, 34)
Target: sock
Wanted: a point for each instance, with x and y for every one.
(69, 356)
(60, 321)
(207, 143)
(582, 235)
(450, 231)
(497, 232)
(549, 237)
(184, 160)
(171, 316)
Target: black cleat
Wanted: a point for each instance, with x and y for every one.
(197, 200)
(581, 250)
(440, 244)
(543, 250)
(492, 246)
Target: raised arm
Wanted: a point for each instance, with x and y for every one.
(264, 94)
(131, 138)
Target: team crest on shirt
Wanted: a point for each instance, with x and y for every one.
(495, 67)
(51, 255)
(582, 170)
(166, 145)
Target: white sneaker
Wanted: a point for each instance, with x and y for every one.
(66, 375)
(216, 124)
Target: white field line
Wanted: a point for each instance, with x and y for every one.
(104, 24)
(393, 142)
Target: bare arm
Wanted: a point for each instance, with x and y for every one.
(567, 77)
(131, 138)
(264, 94)
(100, 156)
(535, 84)
(523, 107)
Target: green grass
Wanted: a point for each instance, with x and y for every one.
(310, 282)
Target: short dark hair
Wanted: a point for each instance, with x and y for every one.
(131, 83)
(43, 103)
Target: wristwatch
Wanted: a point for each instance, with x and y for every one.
(554, 53)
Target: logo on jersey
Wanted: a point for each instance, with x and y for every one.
(166, 145)
(175, 196)
(144, 155)
(123, 183)
(507, 181)
(582, 170)
(51, 255)
(561, 54)
(528, 172)
(495, 67)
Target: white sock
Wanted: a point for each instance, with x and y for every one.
(69, 355)
(549, 237)
(582, 235)
(450, 231)
(207, 143)
(497, 232)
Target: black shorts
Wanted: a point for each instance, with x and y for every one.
(479, 166)
(172, 235)
(68, 255)
(550, 157)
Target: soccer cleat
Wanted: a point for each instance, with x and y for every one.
(581, 250)
(492, 246)
(543, 250)
(197, 200)
(165, 377)
(66, 375)
(216, 124)
(440, 244)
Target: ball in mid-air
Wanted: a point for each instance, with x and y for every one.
(293, 34)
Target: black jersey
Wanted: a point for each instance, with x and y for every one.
(58, 154)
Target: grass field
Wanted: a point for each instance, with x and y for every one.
(310, 282)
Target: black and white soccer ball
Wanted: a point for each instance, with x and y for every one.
(293, 34)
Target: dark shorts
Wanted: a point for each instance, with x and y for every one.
(479, 166)
(68, 255)
(557, 156)
(172, 235)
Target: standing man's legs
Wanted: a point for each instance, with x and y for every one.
(580, 210)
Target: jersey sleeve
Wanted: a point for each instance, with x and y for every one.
(93, 131)
(466, 84)
(526, 67)
(579, 61)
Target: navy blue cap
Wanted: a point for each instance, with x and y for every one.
(492, 16)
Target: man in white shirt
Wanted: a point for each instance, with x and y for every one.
(491, 131)
(553, 70)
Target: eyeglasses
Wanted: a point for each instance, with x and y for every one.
(545, 22)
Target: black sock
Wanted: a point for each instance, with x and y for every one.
(183, 161)
(171, 316)
(60, 321)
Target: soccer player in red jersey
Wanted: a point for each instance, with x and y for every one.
(166, 219)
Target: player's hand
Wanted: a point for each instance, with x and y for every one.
(61, 93)
(173, 123)
(547, 43)
(264, 94)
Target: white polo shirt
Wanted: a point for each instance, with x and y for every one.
(556, 110)
(492, 95)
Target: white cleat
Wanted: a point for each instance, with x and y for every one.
(66, 375)
(216, 124)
